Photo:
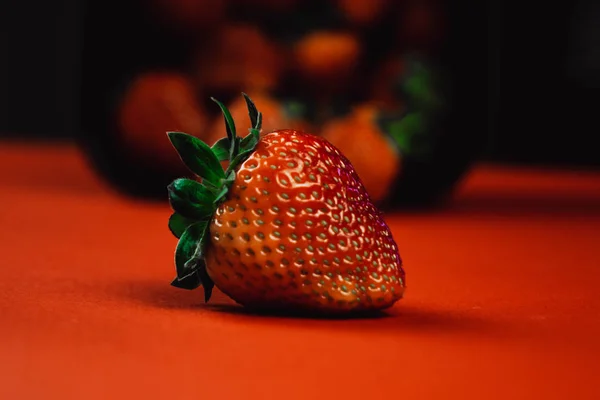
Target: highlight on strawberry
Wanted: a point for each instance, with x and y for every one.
(287, 226)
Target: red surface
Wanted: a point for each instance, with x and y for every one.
(502, 300)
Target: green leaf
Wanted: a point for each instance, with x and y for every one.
(197, 156)
(230, 127)
(178, 224)
(190, 282)
(259, 120)
(222, 148)
(235, 148)
(226, 185)
(191, 199)
(229, 123)
(250, 141)
(189, 249)
(230, 177)
(207, 283)
(211, 187)
(240, 158)
(199, 277)
(252, 111)
(221, 194)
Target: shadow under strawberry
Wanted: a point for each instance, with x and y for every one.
(402, 319)
(287, 313)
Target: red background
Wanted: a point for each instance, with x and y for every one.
(502, 299)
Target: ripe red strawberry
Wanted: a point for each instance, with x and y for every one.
(288, 225)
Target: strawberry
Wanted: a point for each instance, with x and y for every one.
(289, 224)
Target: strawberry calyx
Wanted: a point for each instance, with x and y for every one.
(194, 202)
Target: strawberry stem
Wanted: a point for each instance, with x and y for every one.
(194, 203)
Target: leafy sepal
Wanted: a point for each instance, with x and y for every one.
(189, 249)
(222, 149)
(197, 156)
(190, 282)
(190, 198)
(178, 224)
(195, 203)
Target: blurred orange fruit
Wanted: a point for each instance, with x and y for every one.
(362, 12)
(239, 58)
(371, 153)
(327, 56)
(153, 104)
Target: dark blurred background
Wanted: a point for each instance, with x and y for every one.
(542, 75)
